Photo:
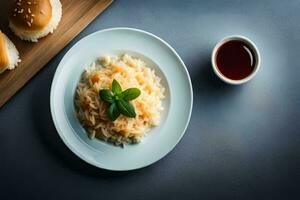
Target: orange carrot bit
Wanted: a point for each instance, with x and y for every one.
(95, 78)
(118, 69)
(139, 79)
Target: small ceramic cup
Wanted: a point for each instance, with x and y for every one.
(251, 45)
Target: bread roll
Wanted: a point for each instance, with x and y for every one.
(9, 55)
(34, 19)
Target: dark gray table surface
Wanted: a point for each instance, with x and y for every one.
(242, 142)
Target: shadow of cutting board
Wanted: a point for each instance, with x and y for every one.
(77, 14)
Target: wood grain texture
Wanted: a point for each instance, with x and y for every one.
(77, 14)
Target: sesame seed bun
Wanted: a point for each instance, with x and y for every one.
(9, 55)
(34, 19)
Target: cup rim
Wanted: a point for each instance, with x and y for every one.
(252, 46)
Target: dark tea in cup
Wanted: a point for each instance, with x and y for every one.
(235, 59)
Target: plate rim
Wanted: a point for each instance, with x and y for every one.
(54, 82)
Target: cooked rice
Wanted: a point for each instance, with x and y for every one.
(129, 72)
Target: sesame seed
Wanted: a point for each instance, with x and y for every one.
(31, 20)
(28, 23)
(28, 2)
(19, 4)
(16, 10)
(22, 10)
(32, 15)
(29, 11)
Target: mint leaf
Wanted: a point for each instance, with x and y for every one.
(107, 96)
(113, 112)
(126, 108)
(130, 94)
(116, 87)
(119, 101)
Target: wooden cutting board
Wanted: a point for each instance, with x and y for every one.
(77, 14)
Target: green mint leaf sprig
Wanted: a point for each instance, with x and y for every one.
(119, 101)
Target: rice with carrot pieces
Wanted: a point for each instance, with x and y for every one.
(130, 73)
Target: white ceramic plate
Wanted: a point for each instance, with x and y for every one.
(178, 103)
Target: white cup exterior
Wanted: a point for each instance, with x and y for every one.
(256, 55)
